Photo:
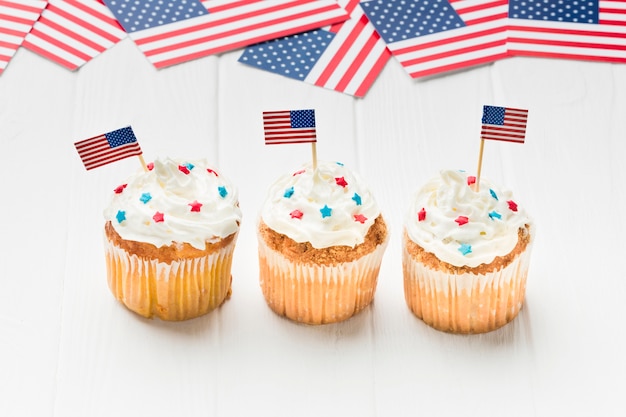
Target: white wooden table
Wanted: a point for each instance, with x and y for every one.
(68, 348)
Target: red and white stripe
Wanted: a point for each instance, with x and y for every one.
(72, 32)
(96, 152)
(482, 40)
(513, 129)
(16, 20)
(354, 58)
(605, 41)
(277, 129)
(233, 24)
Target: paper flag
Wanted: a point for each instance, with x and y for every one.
(109, 147)
(228, 25)
(590, 30)
(72, 32)
(289, 126)
(16, 20)
(504, 123)
(347, 58)
(433, 36)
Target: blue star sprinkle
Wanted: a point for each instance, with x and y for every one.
(222, 191)
(189, 165)
(145, 197)
(357, 199)
(495, 215)
(326, 211)
(493, 194)
(465, 248)
(288, 192)
(120, 216)
(339, 163)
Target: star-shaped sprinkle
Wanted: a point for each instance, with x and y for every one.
(512, 205)
(495, 215)
(158, 217)
(120, 216)
(210, 171)
(184, 169)
(296, 214)
(360, 218)
(465, 248)
(357, 199)
(195, 206)
(326, 211)
(145, 197)
(471, 180)
(189, 165)
(461, 220)
(339, 163)
(493, 194)
(302, 171)
(421, 215)
(341, 181)
(288, 192)
(120, 188)
(150, 166)
(222, 191)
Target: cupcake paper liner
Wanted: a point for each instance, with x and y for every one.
(466, 302)
(318, 294)
(180, 290)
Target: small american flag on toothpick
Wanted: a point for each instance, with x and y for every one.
(109, 147)
(291, 126)
(501, 123)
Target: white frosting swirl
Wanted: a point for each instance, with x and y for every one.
(446, 202)
(177, 201)
(328, 206)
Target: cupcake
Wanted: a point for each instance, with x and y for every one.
(321, 242)
(170, 233)
(466, 254)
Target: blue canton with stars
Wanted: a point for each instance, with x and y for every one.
(120, 137)
(302, 118)
(493, 115)
(136, 15)
(573, 11)
(292, 56)
(398, 20)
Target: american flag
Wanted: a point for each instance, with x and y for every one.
(228, 25)
(289, 126)
(504, 123)
(590, 30)
(109, 147)
(433, 36)
(72, 32)
(16, 20)
(347, 58)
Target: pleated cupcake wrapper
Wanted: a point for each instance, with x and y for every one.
(465, 303)
(317, 294)
(180, 290)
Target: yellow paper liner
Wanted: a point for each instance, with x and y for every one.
(465, 302)
(180, 290)
(318, 294)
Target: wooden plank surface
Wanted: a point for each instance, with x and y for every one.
(69, 349)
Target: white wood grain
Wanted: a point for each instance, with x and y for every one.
(69, 349)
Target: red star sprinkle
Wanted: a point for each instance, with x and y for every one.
(296, 214)
(119, 189)
(158, 217)
(421, 215)
(360, 218)
(512, 205)
(302, 171)
(195, 206)
(341, 181)
(461, 220)
(471, 180)
(183, 169)
(150, 166)
(210, 171)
